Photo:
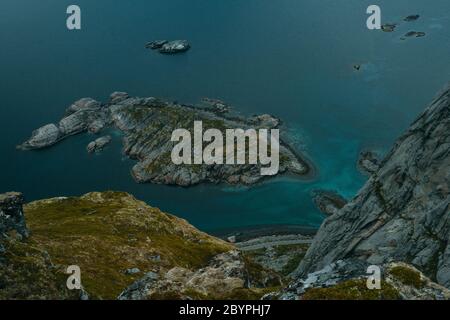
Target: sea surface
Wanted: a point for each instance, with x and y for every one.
(290, 58)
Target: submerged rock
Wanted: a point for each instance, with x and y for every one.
(389, 27)
(413, 17)
(413, 34)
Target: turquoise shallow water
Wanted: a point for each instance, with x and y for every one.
(290, 58)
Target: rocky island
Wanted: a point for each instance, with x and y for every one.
(169, 47)
(147, 125)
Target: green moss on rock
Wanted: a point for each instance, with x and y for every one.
(355, 289)
(407, 276)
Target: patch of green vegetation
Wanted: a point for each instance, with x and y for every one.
(260, 276)
(110, 232)
(26, 272)
(355, 289)
(293, 263)
(287, 249)
(407, 276)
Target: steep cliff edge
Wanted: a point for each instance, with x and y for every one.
(117, 240)
(402, 213)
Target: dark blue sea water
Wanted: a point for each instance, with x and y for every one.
(290, 58)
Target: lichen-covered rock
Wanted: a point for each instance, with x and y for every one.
(403, 211)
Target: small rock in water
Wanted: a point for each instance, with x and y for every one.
(175, 46)
(170, 47)
(232, 239)
(388, 27)
(98, 144)
(414, 34)
(413, 17)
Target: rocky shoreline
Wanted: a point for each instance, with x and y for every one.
(147, 125)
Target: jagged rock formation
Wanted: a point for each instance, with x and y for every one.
(368, 162)
(164, 46)
(147, 125)
(11, 215)
(402, 213)
(328, 202)
(224, 276)
(347, 280)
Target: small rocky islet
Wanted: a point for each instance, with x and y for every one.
(391, 27)
(169, 47)
(147, 125)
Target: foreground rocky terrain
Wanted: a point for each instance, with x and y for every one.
(147, 125)
(123, 247)
(402, 214)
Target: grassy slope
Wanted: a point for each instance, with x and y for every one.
(107, 233)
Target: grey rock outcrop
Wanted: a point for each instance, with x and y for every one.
(347, 279)
(328, 202)
(98, 144)
(169, 47)
(83, 115)
(402, 213)
(43, 137)
(368, 162)
(11, 214)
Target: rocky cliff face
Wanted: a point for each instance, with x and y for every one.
(402, 213)
(11, 214)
